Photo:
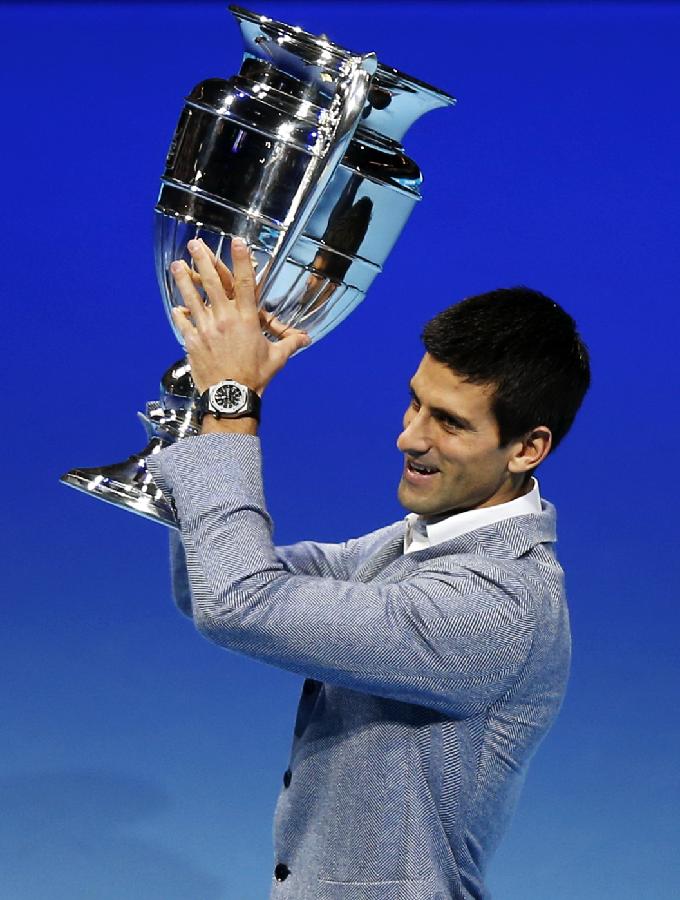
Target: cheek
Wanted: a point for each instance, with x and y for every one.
(486, 463)
(458, 457)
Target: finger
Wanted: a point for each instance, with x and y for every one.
(210, 279)
(181, 318)
(222, 270)
(292, 342)
(280, 330)
(192, 299)
(270, 323)
(244, 277)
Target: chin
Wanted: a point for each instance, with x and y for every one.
(410, 503)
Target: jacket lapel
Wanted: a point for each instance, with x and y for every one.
(390, 551)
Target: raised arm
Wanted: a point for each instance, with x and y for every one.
(452, 639)
(312, 558)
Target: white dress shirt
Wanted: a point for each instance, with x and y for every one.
(420, 535)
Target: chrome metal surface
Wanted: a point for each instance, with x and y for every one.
(332, 138)
(248, 150)
(300, 154)
(177, 385)
(167, 423)
(127, 484)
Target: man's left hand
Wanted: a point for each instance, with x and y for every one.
(225, 339)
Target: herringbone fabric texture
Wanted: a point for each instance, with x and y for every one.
(431, 676)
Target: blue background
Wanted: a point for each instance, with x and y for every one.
(138, 760)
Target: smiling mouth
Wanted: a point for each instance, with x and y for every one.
(418, 472)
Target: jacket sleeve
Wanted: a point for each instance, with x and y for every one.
(179, 577)
(454, 640)
(302, 558)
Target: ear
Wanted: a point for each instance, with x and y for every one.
(531, 450)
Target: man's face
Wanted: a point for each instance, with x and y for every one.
(450, 442)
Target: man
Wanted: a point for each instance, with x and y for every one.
(436, 654)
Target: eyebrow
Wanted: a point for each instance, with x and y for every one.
(440, 413)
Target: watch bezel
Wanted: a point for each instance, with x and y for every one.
(232, 409)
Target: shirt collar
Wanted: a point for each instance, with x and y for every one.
(420, 535)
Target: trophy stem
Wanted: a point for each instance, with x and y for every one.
(127, 484)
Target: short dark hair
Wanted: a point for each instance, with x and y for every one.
(526, 346)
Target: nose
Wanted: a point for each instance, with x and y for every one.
(415, 438)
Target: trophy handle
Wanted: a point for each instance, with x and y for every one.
(334, 135)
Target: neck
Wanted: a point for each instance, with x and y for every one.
(516, 487)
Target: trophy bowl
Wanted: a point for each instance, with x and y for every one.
(300, 155)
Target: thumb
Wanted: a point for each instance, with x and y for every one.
(292, 342)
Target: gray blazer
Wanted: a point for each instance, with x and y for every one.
(431, 676)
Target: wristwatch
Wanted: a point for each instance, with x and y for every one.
(228, 400)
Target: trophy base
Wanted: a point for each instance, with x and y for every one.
(127, 484)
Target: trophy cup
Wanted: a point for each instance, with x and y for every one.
(300, 155)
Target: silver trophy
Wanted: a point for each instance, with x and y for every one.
(300, 154)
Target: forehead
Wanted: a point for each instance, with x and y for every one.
(439, 387)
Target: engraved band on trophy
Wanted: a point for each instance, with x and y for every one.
(300, 154)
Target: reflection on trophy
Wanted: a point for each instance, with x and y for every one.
(299, 154)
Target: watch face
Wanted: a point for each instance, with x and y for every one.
(229, 397)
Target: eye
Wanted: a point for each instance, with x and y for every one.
(414, 403)
(449, 424)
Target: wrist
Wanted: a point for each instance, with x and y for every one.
(229, 400)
